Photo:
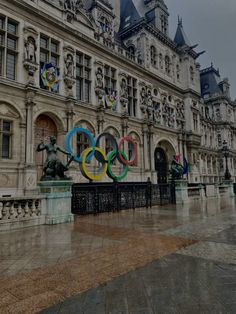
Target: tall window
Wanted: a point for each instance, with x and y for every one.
(109, 79)
(153, 55)
(167, 64)
(177, 72)
(83, 77)
(8, 47)
(82, 143)
(191, 74)
(132, 96)
(49, 53)
(5, 138)
(195, 122)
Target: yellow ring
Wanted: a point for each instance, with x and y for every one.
(85, 171)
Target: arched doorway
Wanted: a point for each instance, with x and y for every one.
(161, 165)
(44, 128)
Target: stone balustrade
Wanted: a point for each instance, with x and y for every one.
(15, 211)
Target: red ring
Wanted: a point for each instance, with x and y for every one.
(134, 159)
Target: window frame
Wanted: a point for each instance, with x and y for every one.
(10, 134)
(7, 39)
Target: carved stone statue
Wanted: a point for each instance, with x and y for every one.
(30, 49)
(123, 89)
(54, 168)
(99, 78)
(176, 170)
(69, 66)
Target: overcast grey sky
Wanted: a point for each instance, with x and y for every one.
(211, 24)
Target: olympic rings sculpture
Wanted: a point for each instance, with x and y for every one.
(105, 160)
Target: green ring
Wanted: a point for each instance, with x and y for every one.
(109, 171)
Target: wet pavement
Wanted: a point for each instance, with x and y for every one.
(162, 260)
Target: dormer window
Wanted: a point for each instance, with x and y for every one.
(153, 55)
(104, 25)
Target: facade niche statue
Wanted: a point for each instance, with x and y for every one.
(54, 168)
(30, 50)
(69, 66)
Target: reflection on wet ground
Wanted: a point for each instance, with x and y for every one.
(170, 259)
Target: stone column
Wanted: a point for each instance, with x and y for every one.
(30, 182)
(70, 114)
(100, 119)
(151, 153)
(145, 148)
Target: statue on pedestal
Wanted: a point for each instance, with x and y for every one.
(176, 170)
(54, 168)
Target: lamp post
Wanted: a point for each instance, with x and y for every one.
(225, 151)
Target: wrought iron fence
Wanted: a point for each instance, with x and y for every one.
(93, 198)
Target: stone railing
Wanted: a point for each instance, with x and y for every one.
(20, 210)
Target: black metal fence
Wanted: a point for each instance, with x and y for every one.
(93, 198)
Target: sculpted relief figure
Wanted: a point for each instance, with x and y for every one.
(30, 49)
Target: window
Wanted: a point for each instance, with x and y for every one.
(132, 96)
(82, 143)
(167, 64)
(177, 72)
(153, 54)
(83, 77)
(49, 53)
(8, 47)
(5, 138)
(191, 74)
(109, 79)
(195, 122)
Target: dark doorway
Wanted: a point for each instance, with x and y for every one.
(161, 165)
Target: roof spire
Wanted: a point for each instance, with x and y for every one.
(180, 37)
(180, 21)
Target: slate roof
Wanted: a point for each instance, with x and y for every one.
(181, 38)
(210, 80)
(129, 14)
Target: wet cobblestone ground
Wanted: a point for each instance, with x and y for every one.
(165, 260)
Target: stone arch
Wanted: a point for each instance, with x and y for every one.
(163, 156)
(10, 109)
(112, 130)
(86, 125)
(61, 128)
(138, 140)
(44, 128)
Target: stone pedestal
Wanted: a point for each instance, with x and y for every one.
(56, 201)
(181, 191)
(230, 185)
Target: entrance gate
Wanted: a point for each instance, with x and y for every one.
(93, 198)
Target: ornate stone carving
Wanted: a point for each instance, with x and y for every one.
(124, 92)
(69, 70)
(99, 84)
(30, 57)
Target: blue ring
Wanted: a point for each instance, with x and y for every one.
(90, 137)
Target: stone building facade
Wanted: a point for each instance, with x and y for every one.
(109, 66)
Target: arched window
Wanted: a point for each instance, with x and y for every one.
(167, 64)
(153, 54)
